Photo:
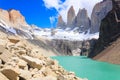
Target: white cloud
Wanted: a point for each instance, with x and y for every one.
(52, 19)
(52, 4)
(63, 7)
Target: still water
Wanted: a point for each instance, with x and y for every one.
(88, 68)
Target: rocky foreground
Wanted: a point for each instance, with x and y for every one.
(19, 61)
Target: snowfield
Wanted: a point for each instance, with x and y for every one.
(66, 34)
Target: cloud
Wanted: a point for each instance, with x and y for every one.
(52, 20)
(63, 7)
(52, 4)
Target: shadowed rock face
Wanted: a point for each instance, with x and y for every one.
(109, 31)
(99, 12)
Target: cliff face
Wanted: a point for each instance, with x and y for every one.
(82, 20)
(100, 10)
(70, 16)
(61, 23)
(13, 18)
(72, 48)
(109, 31)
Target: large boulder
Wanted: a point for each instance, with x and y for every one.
(11, 73)
(34, 62)
(5, 55)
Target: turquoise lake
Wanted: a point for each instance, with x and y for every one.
(88, 68)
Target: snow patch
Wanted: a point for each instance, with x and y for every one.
(66, 34)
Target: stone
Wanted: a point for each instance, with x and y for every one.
(21, 63)
(3, 42)
(3, 77)
(6, 56)
(25, 74)
(34, 62)
(2, 48)
(11, 73)
(13, 39)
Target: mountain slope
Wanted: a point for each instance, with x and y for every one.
(109, 33)
(110, 54)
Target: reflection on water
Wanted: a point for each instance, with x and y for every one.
(88, 68)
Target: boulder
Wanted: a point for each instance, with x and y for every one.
(13, 39)
(34, 62)
(3, 77)
(25, 74)
(11, 73)
(6, 55)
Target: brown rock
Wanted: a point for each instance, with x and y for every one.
(3, 77)
(11, 73)
(13, 39)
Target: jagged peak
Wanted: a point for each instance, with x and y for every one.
(71, 9)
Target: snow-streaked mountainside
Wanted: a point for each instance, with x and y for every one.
(65, 34)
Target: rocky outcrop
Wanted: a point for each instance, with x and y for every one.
(82, 20)
(109, 32)
(13, 18)
(4, 15)
(17, 19)
(70, 17)
(100, 10)
(61, 23)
